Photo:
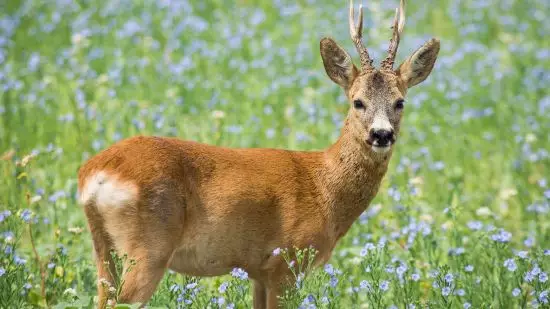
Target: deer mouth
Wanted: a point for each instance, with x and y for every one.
(378, 147)
(381, 148)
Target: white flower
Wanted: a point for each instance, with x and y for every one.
(75, 230)
(483, 212)
(70, 291)
(217, 114)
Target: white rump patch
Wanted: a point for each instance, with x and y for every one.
(106, 190)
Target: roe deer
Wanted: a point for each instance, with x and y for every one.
(202, 210)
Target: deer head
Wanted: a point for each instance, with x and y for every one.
(376, 96)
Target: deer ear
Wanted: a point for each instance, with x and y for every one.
(338, 63)
(420, 64)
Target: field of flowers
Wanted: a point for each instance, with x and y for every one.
(462, 219)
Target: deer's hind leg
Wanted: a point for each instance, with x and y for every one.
(104, 263)
(148, 233)
(148, 248)
(141, 281)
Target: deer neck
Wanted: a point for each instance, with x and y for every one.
(352, 176)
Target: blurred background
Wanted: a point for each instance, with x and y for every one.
(77, 76)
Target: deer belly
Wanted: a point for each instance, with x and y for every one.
(200, 260)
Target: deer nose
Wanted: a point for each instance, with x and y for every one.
(382, 137)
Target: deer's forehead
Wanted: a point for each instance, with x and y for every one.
(377, 85)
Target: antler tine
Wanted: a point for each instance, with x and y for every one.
(356, 36)
(398, 25)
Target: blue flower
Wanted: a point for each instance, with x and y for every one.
(457, 251)
(333, 281)
(516, 292)
(460, 292)
(223, 287)
(446, 291)
(239, 273)
(543, 277)
(401, 269)
(8, 236)
(469, 268)
(415, 277)
(381, 243)
(62, 249)
(365, 285)
(60, 194)
(522, 254)
(270, 133)
(467, 305)
(18, 260)
(370, 246)
(308, 302)
(276, 251)
(433, 273)
(449, 278)
(384, 285)
(2, 271)
(502, 236)
(528, 276)
(173, 288)
(529, 242)
(510, 264)
(329, 269)
(4, 214)
(309, 299)
(475, 225)
(26, 215)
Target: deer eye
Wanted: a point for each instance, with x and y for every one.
(399, 104)
(358, 104)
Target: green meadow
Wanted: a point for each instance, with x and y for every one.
(462, 219)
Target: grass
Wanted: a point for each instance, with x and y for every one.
(462, 217)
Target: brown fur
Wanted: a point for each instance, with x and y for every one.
(203, 210)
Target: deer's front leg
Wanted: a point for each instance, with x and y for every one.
(260, 295)
(273, 294)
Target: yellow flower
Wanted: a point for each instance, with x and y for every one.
(59, 271)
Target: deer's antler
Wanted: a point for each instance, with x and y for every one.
(398, 24)
(356, 36)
